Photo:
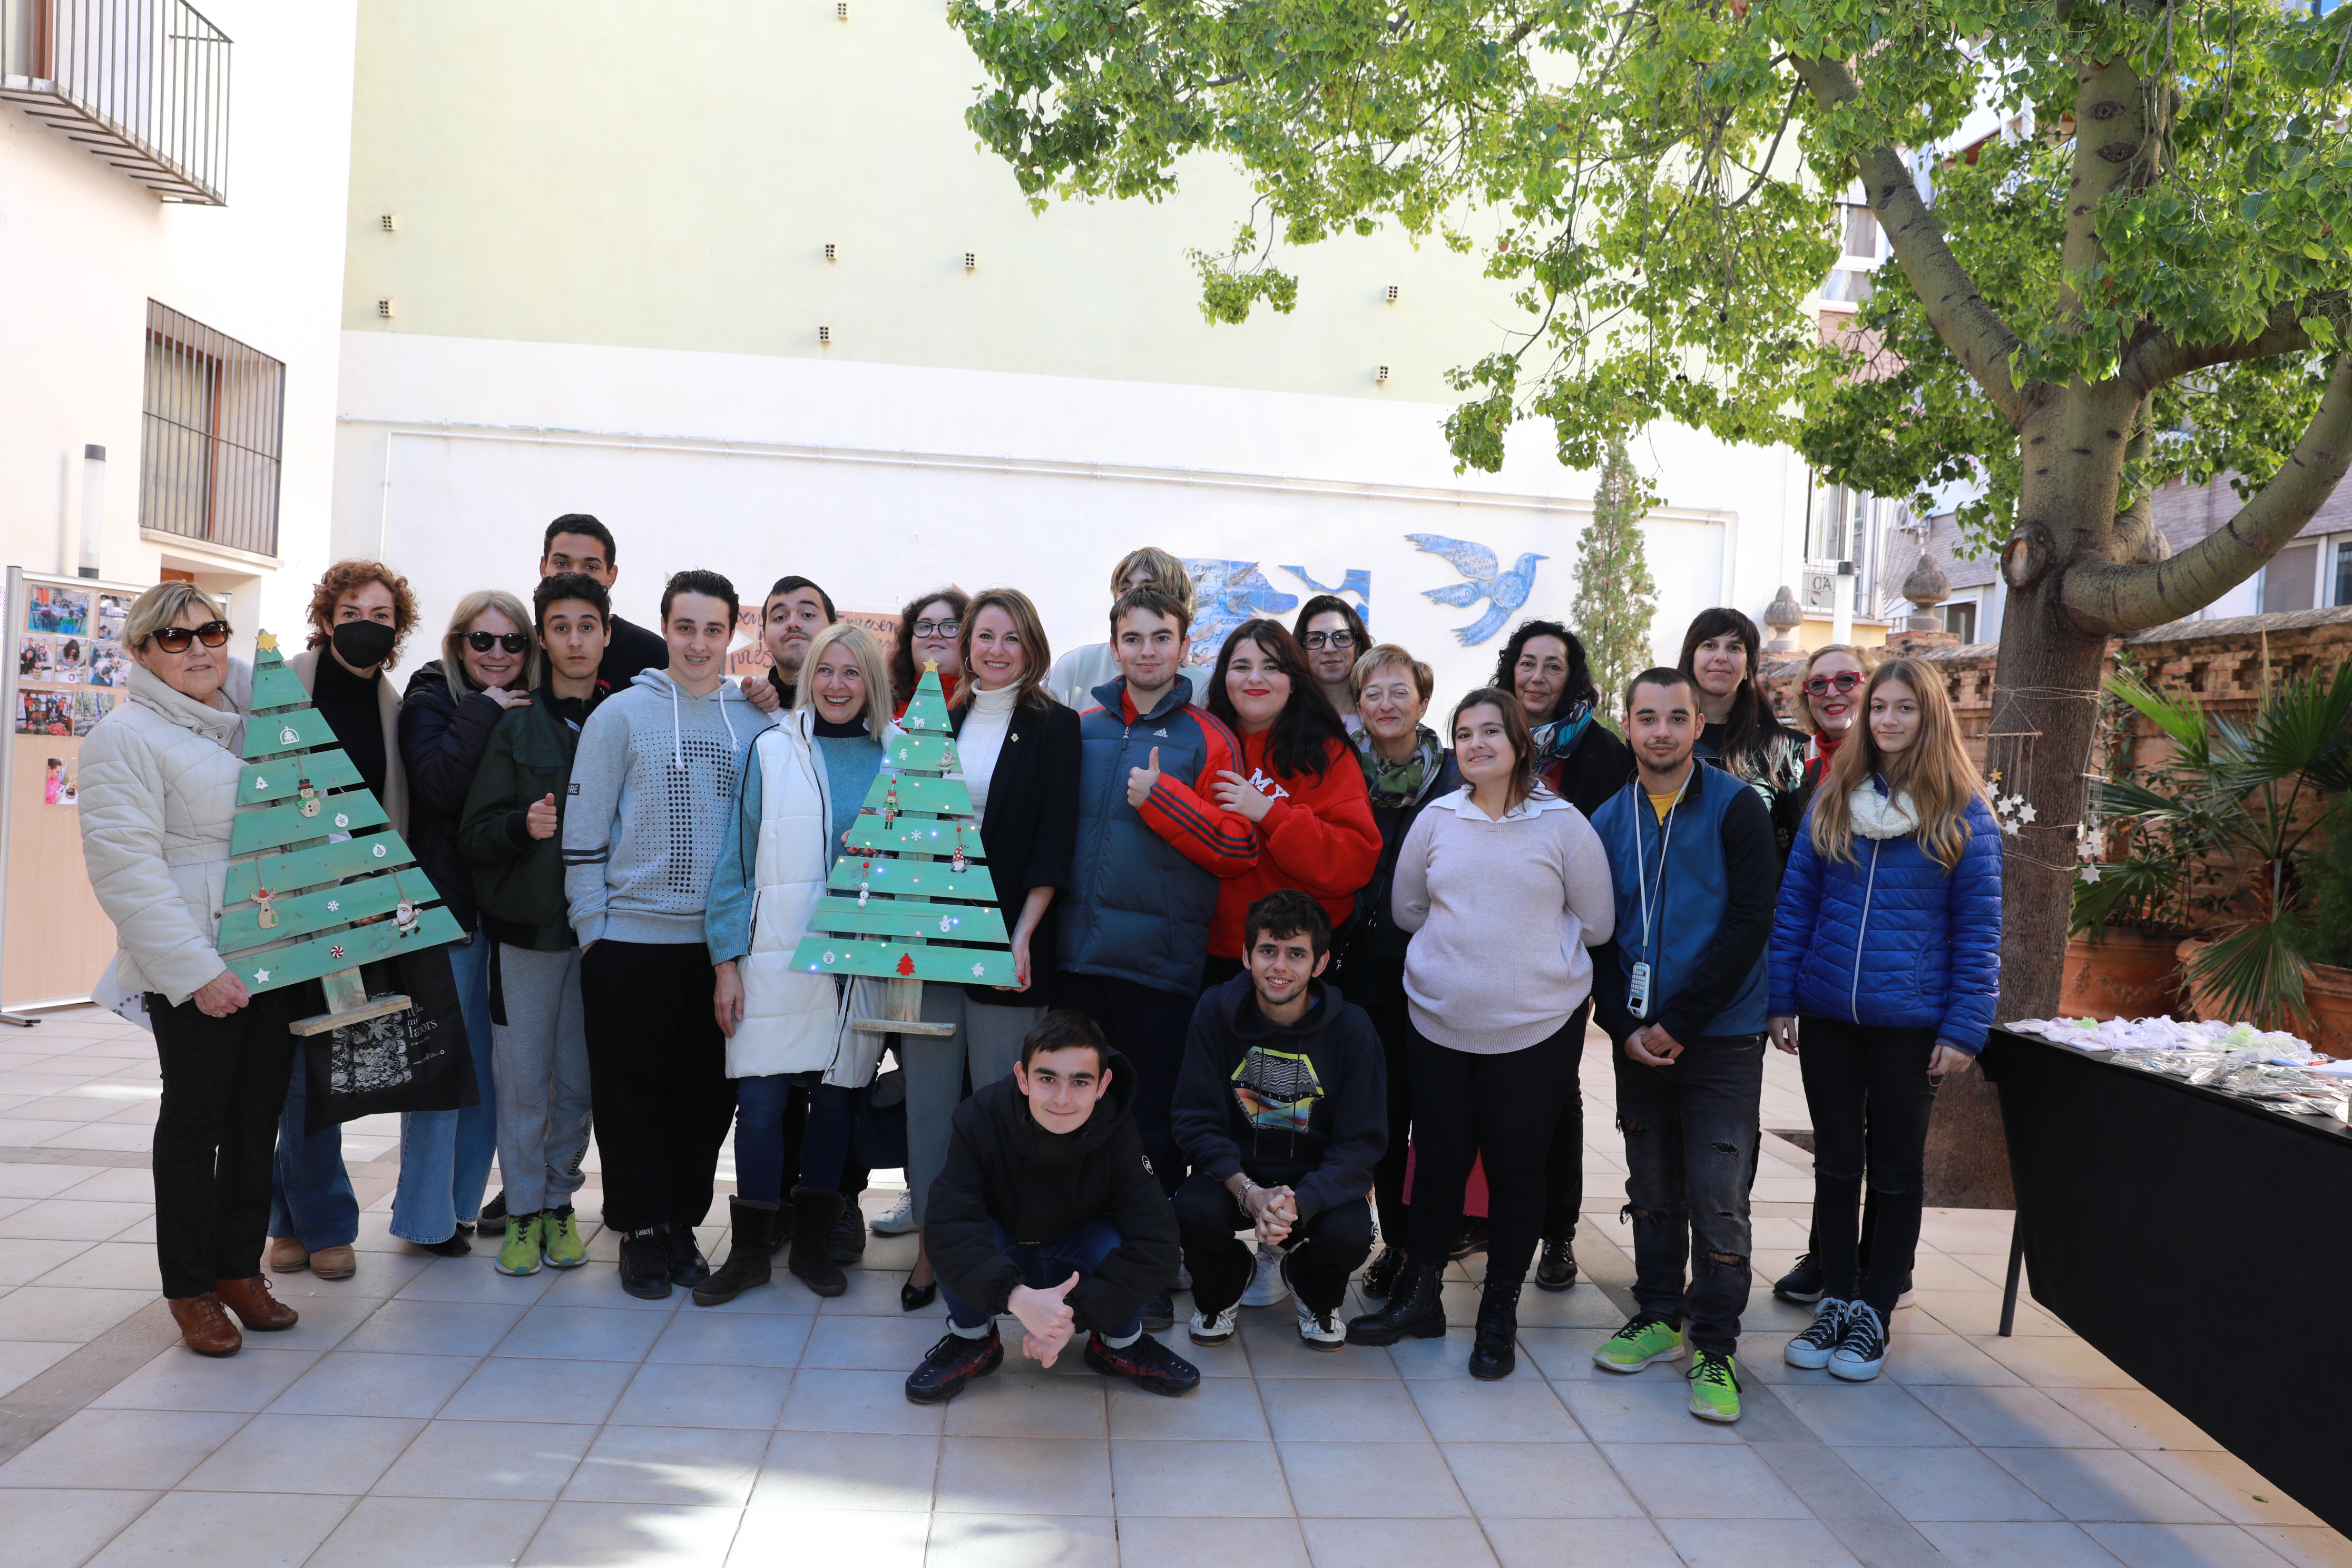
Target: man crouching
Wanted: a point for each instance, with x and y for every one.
(1047, 1208)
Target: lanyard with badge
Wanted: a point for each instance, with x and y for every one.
(1637, 989)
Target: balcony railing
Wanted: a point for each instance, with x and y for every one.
(142, 83)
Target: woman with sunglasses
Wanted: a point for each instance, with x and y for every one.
(1334, 637)
(159, 778)
(930, 630)
(488, 665)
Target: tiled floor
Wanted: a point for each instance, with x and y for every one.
(431, 1412)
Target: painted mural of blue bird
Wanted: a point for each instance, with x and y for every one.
(1503, 591)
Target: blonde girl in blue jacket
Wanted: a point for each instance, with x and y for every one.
(1885, 963)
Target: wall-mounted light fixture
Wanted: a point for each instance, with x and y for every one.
(93, 505)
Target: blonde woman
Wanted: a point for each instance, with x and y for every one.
(489, 659)
(1885, 963)
(802, 785)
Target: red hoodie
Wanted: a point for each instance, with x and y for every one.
(1318, 837)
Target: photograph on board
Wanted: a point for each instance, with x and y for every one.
(57, 608)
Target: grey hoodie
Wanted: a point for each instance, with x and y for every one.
(653, 785)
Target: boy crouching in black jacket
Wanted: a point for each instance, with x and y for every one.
(1047, 1208)
(1282, 1107)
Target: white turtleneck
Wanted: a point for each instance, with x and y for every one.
(983, 737)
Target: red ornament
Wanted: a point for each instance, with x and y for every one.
(907, 964)
(335, 951)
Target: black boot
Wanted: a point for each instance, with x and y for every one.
(815, 1210)
(1413, 1311)
(1495, 1353)
(493, 1220)
(781, 1231)
(645, 1264)
(1556, 1269)
(748, 1254)
(1381, 1277)
(848, 1243)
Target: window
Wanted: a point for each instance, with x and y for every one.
(216, 412)
(2343, 595)
(1960, 620)
(2287, 581)
(1864, 246)
(1835, 525)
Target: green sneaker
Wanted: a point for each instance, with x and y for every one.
(1714, 1387)
(1638, 1344)
(564, 1247)
(520, 1253)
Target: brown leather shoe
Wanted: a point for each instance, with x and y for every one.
(288, 1256)
(205, 1325)
(255, 1307)
(335, 1263)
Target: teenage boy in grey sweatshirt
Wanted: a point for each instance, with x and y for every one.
(652, 786)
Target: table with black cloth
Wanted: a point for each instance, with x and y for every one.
(2202, 1242)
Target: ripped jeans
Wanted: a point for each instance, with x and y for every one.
(1691, 1135)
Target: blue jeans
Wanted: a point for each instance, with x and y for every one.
(445, 1155)
(310, 1196)
(1043, 1267)
(759, 1104)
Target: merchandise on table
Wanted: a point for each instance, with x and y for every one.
(2274, 1070)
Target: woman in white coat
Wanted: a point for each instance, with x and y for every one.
(158, 781)
(803, 785)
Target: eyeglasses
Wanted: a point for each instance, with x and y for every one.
(1328, 639)
(513, 642)
(1846, 680)
(175, 640)
(938, 628)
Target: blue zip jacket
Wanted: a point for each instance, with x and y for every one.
(1144, 884)
(1892, 941)
(1710, 911)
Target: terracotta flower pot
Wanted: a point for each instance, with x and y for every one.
(2199, 999)
(2123, 974)
(2327, 992)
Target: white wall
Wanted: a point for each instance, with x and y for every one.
(82, 249)
(882, 480)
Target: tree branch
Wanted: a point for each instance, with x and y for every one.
(2115, 599)
(2160, 359)
(1968, 325)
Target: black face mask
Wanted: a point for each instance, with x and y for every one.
(363, 645)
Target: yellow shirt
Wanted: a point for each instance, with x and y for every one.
(1661, 803)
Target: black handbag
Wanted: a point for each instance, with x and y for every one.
(417, 1060)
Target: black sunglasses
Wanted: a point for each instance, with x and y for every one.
(513, 642)
(175, 640)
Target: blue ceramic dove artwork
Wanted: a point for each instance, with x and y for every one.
(1503, 591)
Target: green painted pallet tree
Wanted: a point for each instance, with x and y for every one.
(910, 899)
(312, 854)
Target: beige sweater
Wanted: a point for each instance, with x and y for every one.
(1501, 913)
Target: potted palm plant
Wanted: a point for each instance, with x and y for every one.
(2130, 913)
(2327, 990)
(2224, 838)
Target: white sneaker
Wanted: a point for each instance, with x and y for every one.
(1861, 1348)
(899, 1220)
(1216, 1331)
(1319, 1333)
(1266, 1287)
(1810, 1350)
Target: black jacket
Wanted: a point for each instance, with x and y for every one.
(442, 738)
(633, 649)
(1004, 1169)
(1368, 964)
(1327, 1066)
(518, 880)
(1600, 765)
(1030, 831)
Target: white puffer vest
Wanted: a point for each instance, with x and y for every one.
(794, 1021)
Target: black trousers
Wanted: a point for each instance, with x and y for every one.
(1148, 1027)
(1504, 1107)
(657, 1079)
(1691, 1139)
(1395, 1030)
(1324, 1250)
(1871, 1097)
(216, 1132)
(1564, 1161)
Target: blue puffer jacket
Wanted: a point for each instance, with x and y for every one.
(1892, 940)
(1144, 883)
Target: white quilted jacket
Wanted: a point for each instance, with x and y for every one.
(158, 793)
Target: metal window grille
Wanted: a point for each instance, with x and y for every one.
(216, 417)
(142, 83)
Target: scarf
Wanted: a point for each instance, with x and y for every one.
(1400, 783)
(1559, 738)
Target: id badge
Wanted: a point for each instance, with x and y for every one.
(1637, 989)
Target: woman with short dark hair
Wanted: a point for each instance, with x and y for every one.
(1334, 637)
(930, 631)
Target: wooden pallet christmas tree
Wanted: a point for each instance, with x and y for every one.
(911, 898)
(311, 855)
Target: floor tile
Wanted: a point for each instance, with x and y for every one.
(2304, 1547)
(433, 1328)
(1275, 1351)
(673, 1465)
(2229, 1486)
(1880, 1414)
(831, 1400)
(861, 1472)
(1566, 1355)
(1949, 1358)
(2090, 1485)
(96, 1447)
(487, 1459)
(698, 1395)
(60, 1529)
(1361, 1480)
(22, 1181)
(177, 1380)
(1021, 1541)
(2184, 1546)
(1210, 1542)
(24, 1261)
(339, 1453)
(1516, 1409)
(2010, 1418)
(188, 1527)
(528, 1389)
(696, 1334)
(1538, 1480)
(770, 1536)
(1703, 1480)
(106, 1264)
(1757, 1544)
(1014, 1404)
(617, 1535)
(2135, 1418)
(1331, 1409)
(1394, 1543)
(1170, 1477)
(1592, 1543)
(428, 1533)
(373, 1383)
(474, 1279)
(1649, 1406)
(877, 1345)
(1945, 1484)
(58, 1313)
(1225, 1407)
(1043, 1476)
(21, 1361)
(583, 1333)
(1976, 1545)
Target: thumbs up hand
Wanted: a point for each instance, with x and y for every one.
(540, 821)
(1048, 1321)
(1141, 781)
